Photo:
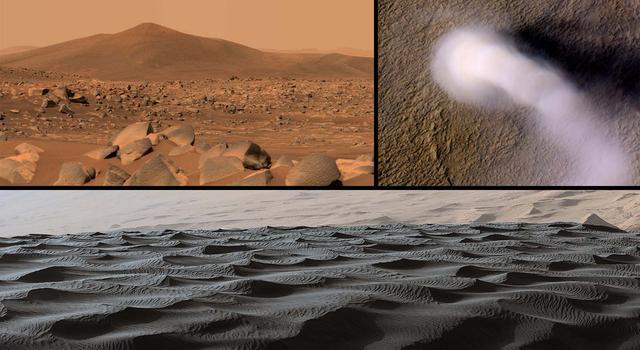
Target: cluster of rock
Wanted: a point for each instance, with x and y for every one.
(60, 97)
(247, 161)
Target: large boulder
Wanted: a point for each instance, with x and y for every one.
(180, 150)
(115, 176)
(131, 133)
(283, 161)
(216, 169)
(74, 174)
(213, 152)
(181, 135)
(314, 170)
(157, 172)
(20, 169)
(103, 152)
(251, 155)
(135, 150)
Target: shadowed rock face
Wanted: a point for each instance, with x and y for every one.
(480, 287)
(426, 138)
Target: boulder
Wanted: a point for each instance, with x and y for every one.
(261, 178)
(314, 170)
(181, 135)
(213, 152)
(216, 169)
(115, 176)
(103, 152)
(180, 150)
(74, 174)
(283, 161)
(201, 146)
(251, 155)
(20, 169)
(157, 172)
(135, 150)
(131, 133)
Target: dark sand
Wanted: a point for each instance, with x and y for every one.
(494, 286)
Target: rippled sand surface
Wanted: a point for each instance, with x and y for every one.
(477, 286)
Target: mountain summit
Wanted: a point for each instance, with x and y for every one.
(151, 51)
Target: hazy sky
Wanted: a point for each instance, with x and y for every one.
(270, 24)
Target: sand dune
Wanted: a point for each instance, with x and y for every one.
(506, 286)
(152, 52)
(48, 211)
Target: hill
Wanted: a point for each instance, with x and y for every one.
(150, 51)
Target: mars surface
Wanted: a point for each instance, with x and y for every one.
(429, 135)
(154, 106)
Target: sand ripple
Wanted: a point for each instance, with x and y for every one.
(500, 286)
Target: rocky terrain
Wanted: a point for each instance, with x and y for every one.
(69, 115)
(464, 286)
(427, 138)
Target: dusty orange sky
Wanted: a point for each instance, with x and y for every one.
(271, 24)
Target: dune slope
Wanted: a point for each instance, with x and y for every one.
(506, 286)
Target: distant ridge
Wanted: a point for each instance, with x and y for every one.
(150, 51)
(16, 49)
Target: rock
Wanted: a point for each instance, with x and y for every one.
(261, 178)
(103, 152)
(135, 150)
(314, 170)
(62, 93)
(27, 148)
(201, 147)
(180, 150)
(77, 98)
(283, 161)
(364, 169)
(20, 169)
(38, 91)
(181, 135)
(14, 111)
(48, 103)
(2, 116)
(64, 108)
(156, 138)
(157, 172)
(214, 152)
(74, 174)
(216, 169)
(115, 176)
(131, 133)
(251, 155)
(593, 221)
